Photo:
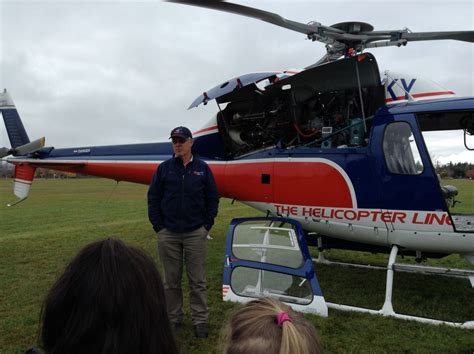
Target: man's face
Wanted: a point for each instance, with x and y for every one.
(182, 146)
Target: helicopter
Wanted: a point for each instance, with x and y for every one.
(333, 153)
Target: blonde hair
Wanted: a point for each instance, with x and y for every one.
(253, 329)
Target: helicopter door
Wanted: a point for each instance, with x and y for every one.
(412, 198)
(268, 257)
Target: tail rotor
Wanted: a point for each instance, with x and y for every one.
(23, 149)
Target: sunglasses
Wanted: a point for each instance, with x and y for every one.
(178, 140)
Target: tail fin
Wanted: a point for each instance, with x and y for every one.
(15, 129)
(19, 141)
(20, 145)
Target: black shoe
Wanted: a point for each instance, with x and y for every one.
(201, 330)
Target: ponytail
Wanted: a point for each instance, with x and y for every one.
(268, 326)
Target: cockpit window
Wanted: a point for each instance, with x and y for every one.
(401, 152)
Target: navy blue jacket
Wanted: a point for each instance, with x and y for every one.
(182, 199)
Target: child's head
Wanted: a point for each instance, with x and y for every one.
(269, 326)
(109, 299)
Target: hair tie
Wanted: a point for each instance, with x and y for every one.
(282, 317)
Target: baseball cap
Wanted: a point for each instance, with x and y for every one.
(181, 132)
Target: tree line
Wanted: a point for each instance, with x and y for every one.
(455, 170)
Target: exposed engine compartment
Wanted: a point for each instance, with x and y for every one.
(291, 117)
(327, 105)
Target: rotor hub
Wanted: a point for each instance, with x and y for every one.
(354, 27)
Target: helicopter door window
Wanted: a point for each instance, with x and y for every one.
(269, 257)
(250, 282)
(276, 243)
(400, 150)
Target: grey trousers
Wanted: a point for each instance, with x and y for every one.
(190, 248)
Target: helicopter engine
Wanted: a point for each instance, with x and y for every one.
(325, 106)
(251, 126)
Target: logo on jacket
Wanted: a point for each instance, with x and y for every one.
(198, 173)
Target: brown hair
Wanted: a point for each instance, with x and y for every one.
(254, 329)
(110, 299)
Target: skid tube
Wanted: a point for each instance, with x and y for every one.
(387, 308)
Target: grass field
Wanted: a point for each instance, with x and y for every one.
(39, 236)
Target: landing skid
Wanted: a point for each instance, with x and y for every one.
(387, 308)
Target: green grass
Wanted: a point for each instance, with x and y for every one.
(39, 236)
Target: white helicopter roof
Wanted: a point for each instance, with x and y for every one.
(405, 87)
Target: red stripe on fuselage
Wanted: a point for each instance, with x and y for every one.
(123, 171)
(205, 130)
(283, 182)
(418, 95)
(311, 183)
(293, 183)
(120, 171)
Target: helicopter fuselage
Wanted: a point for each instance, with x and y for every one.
(338, 156)
(341, 192)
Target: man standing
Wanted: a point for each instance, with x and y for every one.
(182, 205)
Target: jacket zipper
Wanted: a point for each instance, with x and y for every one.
(182, 201)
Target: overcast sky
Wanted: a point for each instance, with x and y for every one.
(97, 72)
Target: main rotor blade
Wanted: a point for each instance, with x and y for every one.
(265, 16)
(465, 36)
